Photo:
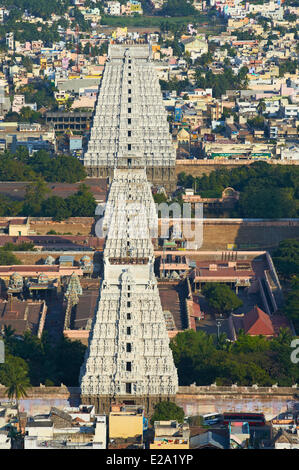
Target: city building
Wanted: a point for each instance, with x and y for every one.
(126, 422)
(170, 435)
(71, 428)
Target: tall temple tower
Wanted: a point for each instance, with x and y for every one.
(130, 118)
(128, 357)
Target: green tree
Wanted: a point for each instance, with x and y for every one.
(14, 375)
(8, 207)
(23, 246)
(177, 8)
(27, 63)
(8, 259)
(35, 194)
(193, 354)
(11, 116)
(221, 297)
(258, 122)
(28, 115)
(82, 203)
(86, 48)
(261, 202)
(14, 435)
(8, 337)
(159, 198)
(223, 342)
(69, 356)
(287, 66)
(286, 258)
(201, 359)
(292, 302)
(103, 48)
(167, 410)
(55, 207)
(261, 107)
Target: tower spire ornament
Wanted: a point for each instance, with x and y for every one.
(130, 118)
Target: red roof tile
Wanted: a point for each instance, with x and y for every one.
(257, 322)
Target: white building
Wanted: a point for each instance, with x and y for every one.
(290, 153)
(290, 111)
(5, 441)
(113, 8)
(82, 430)
(247, 107)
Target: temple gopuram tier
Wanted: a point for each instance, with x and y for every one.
(130, 118)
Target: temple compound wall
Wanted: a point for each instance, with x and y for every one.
(195, 400)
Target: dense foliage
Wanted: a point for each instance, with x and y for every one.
(15, 376)
(8, 207)
(54, 168)
(41, 92)
(43, 362)
(7, 258)
(286, 260)
(42, 8)
(288, 66)
(250, 360)
(178, 8)
(221, 82)
(221, 297)
(24, 31)
(174, 23)
(39, 202)
(25, 115)
(266, 191)
(174, 84)
(167, 410)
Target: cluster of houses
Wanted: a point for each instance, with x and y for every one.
(126, 427)
(256, 121)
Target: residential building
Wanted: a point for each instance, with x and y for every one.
(170, 435)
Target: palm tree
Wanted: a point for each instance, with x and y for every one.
(284, 336)
(17, 382)
(261, 107)
(223, 342)
(8, 333)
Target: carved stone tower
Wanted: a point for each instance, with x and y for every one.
(130, 118)
(128, 357)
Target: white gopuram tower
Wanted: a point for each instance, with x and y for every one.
(130, 118)
(128, 357)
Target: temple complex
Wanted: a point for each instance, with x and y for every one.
(130, 118)
(128, 359)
